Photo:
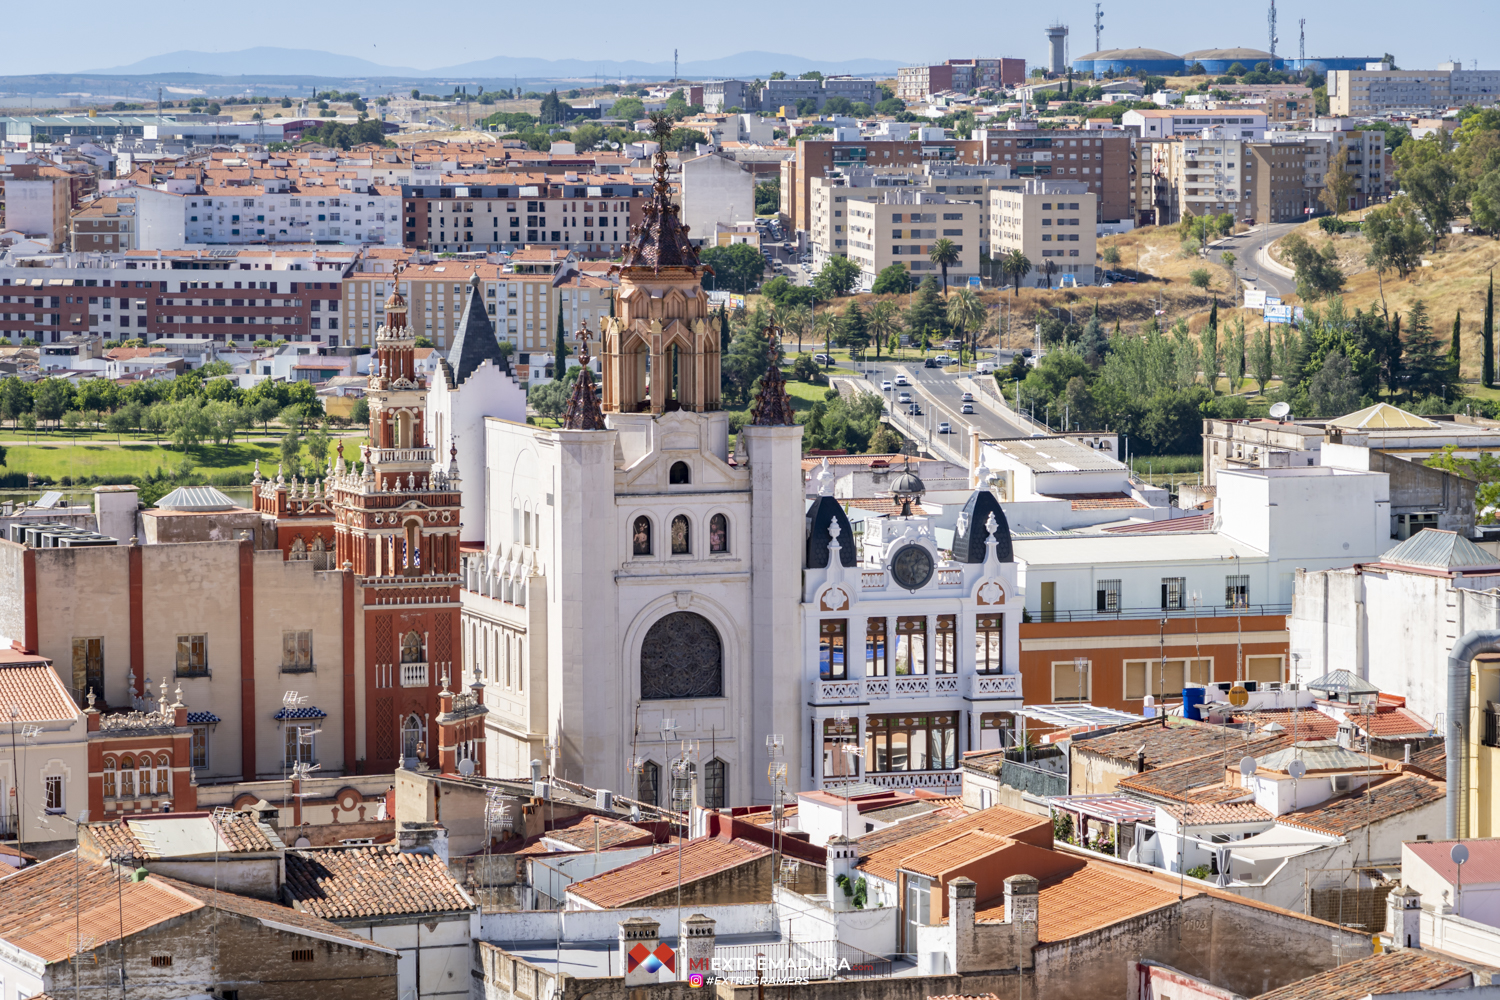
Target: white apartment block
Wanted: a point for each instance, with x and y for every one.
(1169, 122)
(1051, 222)
(899, 226)
(1377, 90)
(275, 210)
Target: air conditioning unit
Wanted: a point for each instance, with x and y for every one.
(1341, 783)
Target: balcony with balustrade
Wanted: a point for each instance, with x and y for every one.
(866, 690)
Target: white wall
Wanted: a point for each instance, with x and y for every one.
(804, 918)
(604, 925)
(159, 220)
(1480, 902)
(432, 956)
(715, 189)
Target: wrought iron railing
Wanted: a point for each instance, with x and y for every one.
(1128, 614)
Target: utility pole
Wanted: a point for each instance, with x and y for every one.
(674, 65)
(1271, 21)
(1301, 42)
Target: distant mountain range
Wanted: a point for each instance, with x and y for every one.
(272, 61)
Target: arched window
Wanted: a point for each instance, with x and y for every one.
(127, 777)
(718, 533)
(681, 536)
(715, 779)
(109, 777)
(413, 736)
(143, 776)
(403, 429)
(411, 648)
(413, 545)
(649, 784)
(679, 474)
(682, 657)
(163, 775)
(640, 537)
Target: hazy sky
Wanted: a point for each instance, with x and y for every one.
(424, 37)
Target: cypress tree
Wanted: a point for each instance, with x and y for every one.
(1453, 347)
(1488, 336)
(560, 362)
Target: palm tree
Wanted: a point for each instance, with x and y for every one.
(824, 324)
(1016, 266)
(881, 322)
(798, 318)
(1049, 269)
(944, 253)
(966, 314)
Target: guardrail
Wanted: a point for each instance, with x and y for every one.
(1133, 614)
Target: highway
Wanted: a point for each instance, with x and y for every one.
(1245, 248)
(938, 393)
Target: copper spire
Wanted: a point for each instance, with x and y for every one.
(582, 413)
(773, 407)
(660, 239)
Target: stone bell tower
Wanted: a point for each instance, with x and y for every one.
(661, 350)
(397, 530)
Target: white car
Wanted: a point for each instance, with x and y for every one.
(944, 428)
(885, 386)
(966, 408)
(902, 380)
(967, 397)
(903, 397)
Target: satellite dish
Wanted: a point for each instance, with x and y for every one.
(466, 768)
(1297, 769)
(1459, 854)
(1247, 765)
(1238, 696)
(1281, 411)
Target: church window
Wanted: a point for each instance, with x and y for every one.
(718, 533)
(681, 542)
(679, 474)
(403, 430)
(127, 777)
(682, 657)
(412, 648)
(715, 778)
(163, 775)
(109, 777)
(649, 783)
(641, 536)
(412, 739)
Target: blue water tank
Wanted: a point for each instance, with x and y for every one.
(1192, 702)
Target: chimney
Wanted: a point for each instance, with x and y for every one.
(695, 952)
(843, 855)
(961, 898)
(1403, 917)
(1021, 912)
(639, 940)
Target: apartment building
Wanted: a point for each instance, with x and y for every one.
(1364, 158)
(1052, 223)
(134, 219)
(1283, 177)
(721, 94)
(786, 93)
(1167, 122)
(524, 307)
(591, 213)
(819, 157)
(914, 84)
(37, 207)
(1377, 89)
(299, 209)
(829, 228)
(899, 226)
(1203, 175)
(239, 295)
(1097, 158)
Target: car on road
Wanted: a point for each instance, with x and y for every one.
(885, 386)
(967, 397)
(930, 363)
(915, 410)
(945, 428)
(1025, 352)
(902, 380)
(822, 359)
(903, 397)
(966, 408)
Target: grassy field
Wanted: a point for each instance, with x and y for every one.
(120, 463)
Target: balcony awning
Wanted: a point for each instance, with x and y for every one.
(310, 712)
(1072, 716)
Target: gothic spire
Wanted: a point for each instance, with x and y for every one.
(660, 239)
(773, 407)
(582, 413)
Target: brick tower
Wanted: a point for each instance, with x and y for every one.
(397, 529)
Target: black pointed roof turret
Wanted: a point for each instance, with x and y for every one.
(475, 342)
(825, 510)
(970, 532)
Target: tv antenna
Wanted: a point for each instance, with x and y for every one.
(1271, 22)
(1301, 42)
(1098, 26)
(674, 65)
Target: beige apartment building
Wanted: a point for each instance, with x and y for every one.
(1377, 90)
(900, 225)
(1052, 223)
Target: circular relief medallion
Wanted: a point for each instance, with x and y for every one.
(912, 567)
(447, 516)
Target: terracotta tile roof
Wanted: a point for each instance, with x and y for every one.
(997, 820)
(348, 883)
(1482, 867)
(1177, 740)
(1219, 813)
(579, 834)
(1389, 972)
(30, 686)
(1096, 501)
(657, 873)
(971, 845)
(243, 833)
(1092, 896)
(1392, 722)
(238, 834)
(880, 505)
(1347, 813)
(1193, 522)
(885, 837)
(40, 905)
(1307, 723)
(1201, 778)
(1432, 760)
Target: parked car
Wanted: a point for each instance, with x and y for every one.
(903, 397)
(943, 359)
(902, 380)
(885, 386)
(822, 359)
(944, 428)
(966, 408)
(967, 397)
(930, 363)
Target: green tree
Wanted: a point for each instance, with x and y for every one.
(1338, 184)
(737, 267)
(925, 317)
(188, 424)
(1200, 279)
(1429, 369)
(944, 253)
(1396, 240)
(1234, 355)
(882, 323)
(744, 363)
(51, 398)
(1210, 350)
(1261, 359)
(560, 347)
(1112, 256)
(15, 399)
(1455, 347)
(317, 447)
(1487, 336)
(1318, 273)
(853, 329)
(837, 277)
(1016, 266)
(1426, 174)
(966, 315)
(892, 280)
(629, 109)
(768, 197)
(1334, 390)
